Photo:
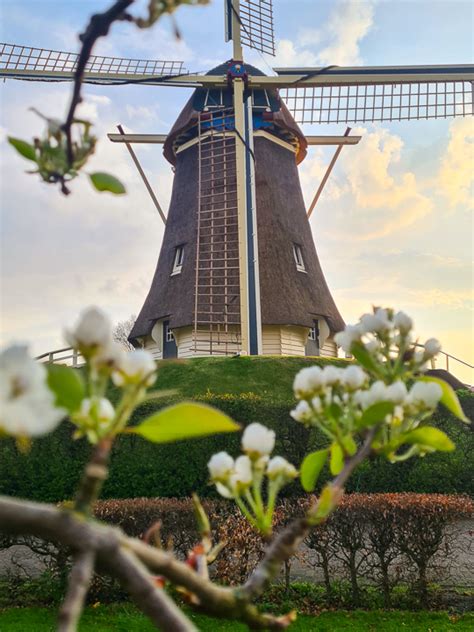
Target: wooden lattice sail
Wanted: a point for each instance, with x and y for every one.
(195, 290)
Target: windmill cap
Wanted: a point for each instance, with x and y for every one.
(282, 119)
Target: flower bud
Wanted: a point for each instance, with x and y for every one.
(280, 467)
(424, 395)
(241, 478)
(403, 322)
(220, 466)
(432, 348)
(134, 367)
(353, 377)
(100, 408)
(331, 375)
(93, 331)
(378, 322)
(396, 392)
(308, 381)
(346, 338)
(258, 440)
(302, 412)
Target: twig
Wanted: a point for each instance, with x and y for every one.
(98, 26)
(95, 473)
(78, 585)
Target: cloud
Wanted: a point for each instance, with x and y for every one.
(455, 177)
(375, 196)
(337, 42)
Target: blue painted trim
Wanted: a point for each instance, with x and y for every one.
(252, 297)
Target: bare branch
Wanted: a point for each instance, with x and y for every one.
(78, 585)
(98, 26)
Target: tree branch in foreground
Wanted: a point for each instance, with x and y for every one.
(98, 26)
(78, 584)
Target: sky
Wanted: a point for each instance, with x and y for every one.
(393, 226)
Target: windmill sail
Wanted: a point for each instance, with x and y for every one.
(254, 21)
(33, 64)
(367, 95)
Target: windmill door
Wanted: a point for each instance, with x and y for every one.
(170, 350)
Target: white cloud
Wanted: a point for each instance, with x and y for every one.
(455, 178)
(337, 42)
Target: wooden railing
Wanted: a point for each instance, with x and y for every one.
(67, 355)
(447, 357)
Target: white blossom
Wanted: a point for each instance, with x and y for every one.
(432, 348)
(376, 393)
(100, 407)
(93, 331)
(353, 377)
(134, 367)
(424, 395)
(308, 381)
(220, 466)
(396, 392)
(26, 404)
(241, 477)
(402, 322)
(258, 440)
(110, 356)
(278, 466)
(303, 411)
(377, 322)
(331, 375)
(346, 338)
(373, 346)
(223, 490)
(317, 404)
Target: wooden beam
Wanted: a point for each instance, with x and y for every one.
(144, 178)
(327, 174)
(158, 139)
(333, 140)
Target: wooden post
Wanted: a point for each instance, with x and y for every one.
(236, 28)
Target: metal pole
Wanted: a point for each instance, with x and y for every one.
(144, 178)
(327, 174)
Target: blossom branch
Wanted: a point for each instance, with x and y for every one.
(287, 542)
(95, 473)
(78, 584)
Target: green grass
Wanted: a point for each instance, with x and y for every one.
(117, 618)
(264, 374)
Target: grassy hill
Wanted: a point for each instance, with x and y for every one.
(263, 375)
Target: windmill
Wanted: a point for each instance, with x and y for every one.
(238, 271)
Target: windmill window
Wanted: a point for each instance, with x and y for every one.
(178, 260)
(314, 332)
(169, 337)
(298, 255)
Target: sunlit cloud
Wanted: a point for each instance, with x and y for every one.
(455, 178)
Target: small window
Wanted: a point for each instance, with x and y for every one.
(298, 254)
(169, 337)
(178, 259)
(314, 332)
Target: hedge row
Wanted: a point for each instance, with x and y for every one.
(51, 470)
(380, 540)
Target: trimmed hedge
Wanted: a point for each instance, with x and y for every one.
(51, 470)
(381, 542)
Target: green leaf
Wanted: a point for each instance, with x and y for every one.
(364, 358)
(105, 182)
(311, 468)
(23, 148)
(326, 503)
(349, 445)
(448, 398)
(67, 385)
(429, 437)
(375, 413)
(336, 462)
(184, 421)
